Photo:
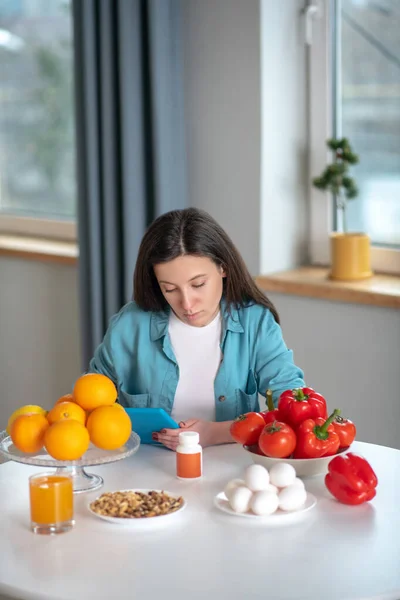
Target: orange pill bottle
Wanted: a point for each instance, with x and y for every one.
(189, 456)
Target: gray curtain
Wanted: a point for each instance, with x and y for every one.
(130, 143)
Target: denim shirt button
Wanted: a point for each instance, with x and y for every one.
(221, 398)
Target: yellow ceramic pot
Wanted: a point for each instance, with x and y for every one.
(350, 256)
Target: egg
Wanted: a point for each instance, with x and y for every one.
(292, 497)
(256, 478)
(282, 475)
(264, 503)
(272, 488)
(240, 499)
(231, 485)
(298, 481)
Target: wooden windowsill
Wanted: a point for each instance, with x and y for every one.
(39, 249)
(379, 290)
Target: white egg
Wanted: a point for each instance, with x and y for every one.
(282, 475)
(231, 485)
(298, 481)
(240, 499)
(272, 488)
(256, 478)
(292, 497)
(264, 503)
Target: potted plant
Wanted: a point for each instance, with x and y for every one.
(350, 251)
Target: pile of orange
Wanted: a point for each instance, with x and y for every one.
(89, 414)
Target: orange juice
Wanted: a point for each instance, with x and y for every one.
(51, 501)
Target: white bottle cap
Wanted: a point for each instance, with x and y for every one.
(189, 438)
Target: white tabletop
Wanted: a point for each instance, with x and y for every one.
(334, 552)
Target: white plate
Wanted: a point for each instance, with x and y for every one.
(277, 517)
(145, 522)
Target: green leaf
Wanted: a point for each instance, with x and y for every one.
(335, 175)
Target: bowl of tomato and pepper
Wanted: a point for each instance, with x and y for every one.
(299, 432)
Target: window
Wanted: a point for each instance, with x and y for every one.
(37, 145)
(355, 93)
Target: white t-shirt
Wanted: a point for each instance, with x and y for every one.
(198, 352)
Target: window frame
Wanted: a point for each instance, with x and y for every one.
(38, 227)
(383, 259)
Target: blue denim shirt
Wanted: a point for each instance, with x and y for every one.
(137, 355)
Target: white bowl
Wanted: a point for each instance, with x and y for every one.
(305, 467)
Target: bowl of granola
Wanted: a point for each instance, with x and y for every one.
(137, 507)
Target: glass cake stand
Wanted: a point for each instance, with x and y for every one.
(83, 482)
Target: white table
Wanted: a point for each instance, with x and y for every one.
(334, 552)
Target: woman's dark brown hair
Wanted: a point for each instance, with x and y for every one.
(195, 232)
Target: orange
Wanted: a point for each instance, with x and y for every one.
(66, 440)
(24, 410)
(65, 398)
(93, 390)
(109, 427)
(66, 410)
(27, 432)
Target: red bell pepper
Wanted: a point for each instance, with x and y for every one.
(316, 438)
(345, 429)
(272, 414)
(351, 479)
(300, 404)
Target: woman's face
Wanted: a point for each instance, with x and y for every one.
(192, 286)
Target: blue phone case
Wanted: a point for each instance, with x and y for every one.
(146, 420)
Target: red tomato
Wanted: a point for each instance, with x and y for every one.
(271, 415)
(277, 440)
(246, 429)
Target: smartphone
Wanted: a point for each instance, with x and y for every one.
(146, 420)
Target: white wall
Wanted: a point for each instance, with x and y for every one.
(247, 135)
(350, 353)
(284, 214)
(39, 333)
(223, 112)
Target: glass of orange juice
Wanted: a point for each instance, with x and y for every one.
(52, 503)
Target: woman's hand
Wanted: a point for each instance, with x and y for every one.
(210, 433)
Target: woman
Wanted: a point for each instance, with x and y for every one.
(200, 339)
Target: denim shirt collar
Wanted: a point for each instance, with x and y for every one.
(159, 321)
